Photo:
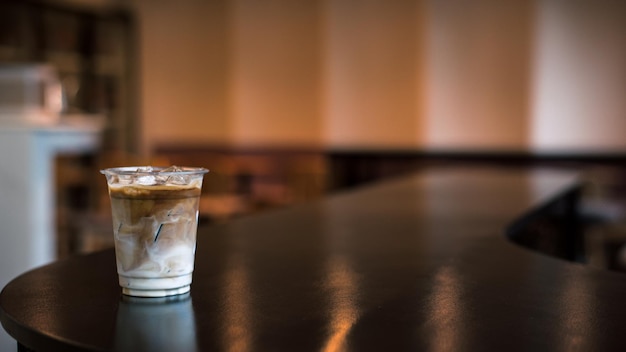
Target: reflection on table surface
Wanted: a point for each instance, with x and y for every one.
(155, 324)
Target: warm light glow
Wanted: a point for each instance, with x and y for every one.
(342, 285)
(446, 309)
(579, 304)
(236, 337)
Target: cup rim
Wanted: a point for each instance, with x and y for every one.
(155, 170)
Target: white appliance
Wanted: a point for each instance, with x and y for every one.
(32, 134)
(30, 94)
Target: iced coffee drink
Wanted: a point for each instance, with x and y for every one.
(155, 217)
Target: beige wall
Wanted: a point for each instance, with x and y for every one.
(580, 76)
(539, 75)
(477, 79)
(373, 74)
(185, 69)
(276, 80)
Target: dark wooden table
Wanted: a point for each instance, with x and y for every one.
(420, 263)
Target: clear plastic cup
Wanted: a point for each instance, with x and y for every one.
(155, 219)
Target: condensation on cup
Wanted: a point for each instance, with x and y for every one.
(155, 219)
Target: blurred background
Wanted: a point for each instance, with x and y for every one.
(286, 101)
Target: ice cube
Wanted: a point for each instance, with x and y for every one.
(142, 178)
(125, 180)
(172, 168)
(173, 179)
(164, 179)
(160, 179)
(179, 179)
(146, 180)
